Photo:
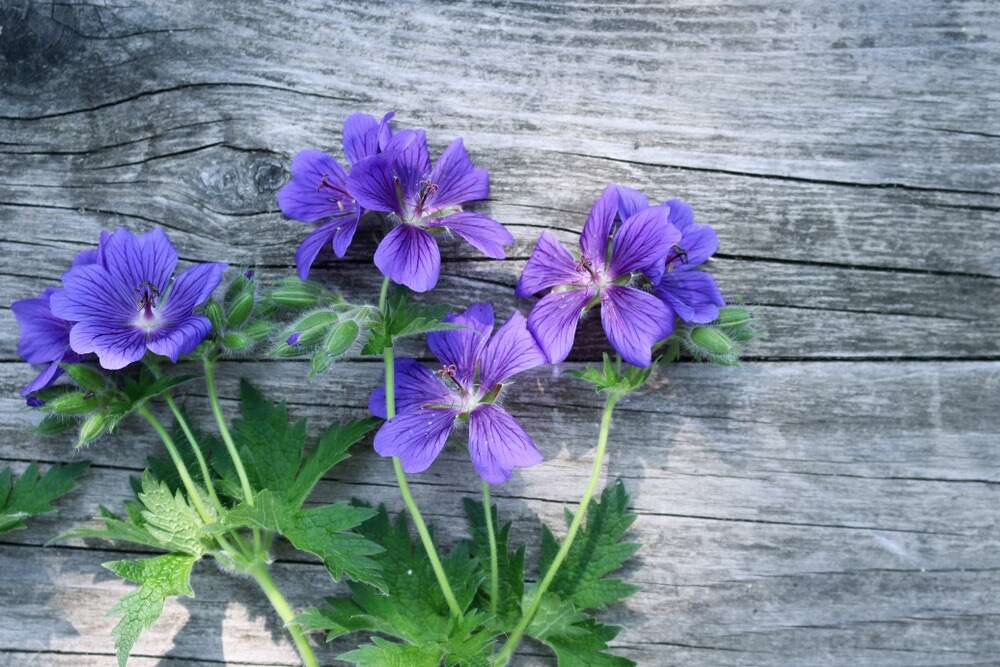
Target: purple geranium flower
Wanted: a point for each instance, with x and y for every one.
(689, 292)
(475, 368)
(44, 339)
(318, 190)
(125, 303)
(623, 236)
(421, 198)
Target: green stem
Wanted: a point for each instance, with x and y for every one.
(195, 447)
(263, 578)
(404, 490)
(595, 474)
(182, 469)
(389, 361)
(227, 437)
(494, 567)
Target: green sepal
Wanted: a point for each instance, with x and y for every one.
(402, 318)
(86, 377)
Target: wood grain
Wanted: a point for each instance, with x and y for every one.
(830, 502)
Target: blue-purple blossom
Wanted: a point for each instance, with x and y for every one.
(126, 303)
(44, 337)
(689, 292)
(475, 367)
(623, 238)
(420, 199)
(44, 340)
(318, 192)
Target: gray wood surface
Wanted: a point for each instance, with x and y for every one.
(831, 502)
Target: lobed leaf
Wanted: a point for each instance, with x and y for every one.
(32, 494)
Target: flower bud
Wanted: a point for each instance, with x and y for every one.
(235, 341)
(86, 377)
(240, 309)
(92, 428)
(297, 294)
(313, 326)
(342, 337)
(258, 331)
(72, 403)
(213, 311)
(711, 340)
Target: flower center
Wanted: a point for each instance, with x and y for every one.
(147, 318)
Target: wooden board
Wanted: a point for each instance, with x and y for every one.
(831, 502)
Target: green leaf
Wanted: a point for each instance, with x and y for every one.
(323, 531)
(269, 444)
(169, 519)
(329, 451)
(576, 639)
(510, 564)
(383, 653)
(412, 608)
(158, 578)
(404, 318)
(32, 494)
(598, 550)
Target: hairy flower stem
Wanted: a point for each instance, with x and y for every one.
(595, 474)
(263, 578)
(494, 567)
(195, 447)
(182, 469)
(389, 361)
(227, 438)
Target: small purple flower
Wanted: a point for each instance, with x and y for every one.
(623, 236)
(689, 292)
(44, 339)
(475, 367)
(125, 303)
(420, 199)
(318, 189)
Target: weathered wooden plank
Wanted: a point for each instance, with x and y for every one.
(742, 486)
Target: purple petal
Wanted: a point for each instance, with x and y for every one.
(179, 338)
(409, 256)
(89, 291)
(597, 230)
(550, 264)
(630, 202)
(461, 348)
(338, 232)
(553, 321)
(411, 161)
(457, 180)
(416, 437)
(372, 184)
(699, 243)
(644, 239)
(44, 337)
(361, 133)
(191, 289)
(46, 377)
(633, 320)
(416, 386)
(385, 130)
(693, 295)
(116, 346)
(137, 260)
(510, 351)
(498, 444)
(483, 232)
(317, 190)
(681, 214)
